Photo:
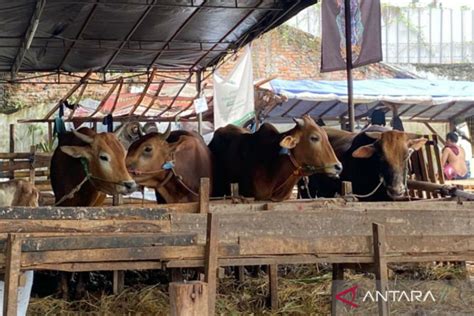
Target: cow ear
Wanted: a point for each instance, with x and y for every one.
(76, 151)
(416, 144)
(289, 142)
(364, 152)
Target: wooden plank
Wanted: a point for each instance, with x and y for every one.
(439, 167)
(12, 274)
(312, 259)
(273, 286)
(380, 263)
(337, 278)
(204, 193)
(101, 266)
(211, 259)
(98, 242)
(327, 223)
(123, 254)
(98, 226)
(254, 246)
(85, 213)
(429, 155)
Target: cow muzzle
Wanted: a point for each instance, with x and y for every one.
(332, 170)
(128, 187)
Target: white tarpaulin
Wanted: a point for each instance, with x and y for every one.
(234, 94)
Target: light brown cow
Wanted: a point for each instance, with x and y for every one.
(101, 156)
(18, 193)
(151, 158)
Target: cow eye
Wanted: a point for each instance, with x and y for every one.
(148, 149)
(314, 138)
(104, 158)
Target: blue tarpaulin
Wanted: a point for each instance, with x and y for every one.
(415, 98)
(377, 87)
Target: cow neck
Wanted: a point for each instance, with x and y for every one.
(296, 172)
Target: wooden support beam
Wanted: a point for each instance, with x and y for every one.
(211, 259)
(234, 190)
(32, 164)
(119, 90)
(380, 263)
(12, 151)
(346, 188)
(12, 274)
(145, 91)
(29, 35)
(78, 100)
(273, 286)
(432, 130)
(154, 98)
(204, 193)
(118, 283)
(70, 92)
(438, 158)
(105, 98)
(189, 299)
(337, 278)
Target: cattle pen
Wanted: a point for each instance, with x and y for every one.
(216, 234)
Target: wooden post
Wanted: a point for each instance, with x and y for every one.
(337, 278)
(32, 164)
(212, 243)
(380, 262)
(204, 191)
(118, 282)
(50, 132)
(117, 199)
(346, 188)
(12, 150)
(189, 299)
(273, 285)
(234, 190)
(12, 274)
(118, 276)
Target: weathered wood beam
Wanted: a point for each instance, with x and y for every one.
(28, 38)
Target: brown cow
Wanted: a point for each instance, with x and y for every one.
(268, 164)
(374, 161)
(101, 155)
(18, 193)
(172, 163)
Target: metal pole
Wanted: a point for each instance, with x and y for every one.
(350, 104)
(198, 89)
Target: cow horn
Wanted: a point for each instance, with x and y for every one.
(83, 137)
(167, 133)
(141, 131)
(299, 122)
(374, 135)
(119, 129)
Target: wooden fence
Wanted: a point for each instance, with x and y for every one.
(214, 235)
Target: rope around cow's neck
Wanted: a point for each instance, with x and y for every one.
(87, 177)
(172, 172)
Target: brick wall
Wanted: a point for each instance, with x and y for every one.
(292, 54)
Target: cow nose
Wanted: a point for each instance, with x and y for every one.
(338, 167)
(130, 185)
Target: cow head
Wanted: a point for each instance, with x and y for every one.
(129, 132)
(147, 156)
(311, 149)
(390, 151)
(105, 157)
